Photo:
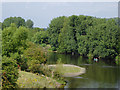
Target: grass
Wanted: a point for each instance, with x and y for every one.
(30, 80)
(70, 69)
(66, 69)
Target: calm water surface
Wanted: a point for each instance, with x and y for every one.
(98, 75)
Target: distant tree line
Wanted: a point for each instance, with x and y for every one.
(85, 35)
(18, 21)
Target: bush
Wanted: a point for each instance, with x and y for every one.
(34, 56)
(90, 58)
(21, 60)
(9, 72)
(53, 49)
(43, 45)
(117, 60)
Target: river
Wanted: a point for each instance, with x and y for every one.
(98, 74)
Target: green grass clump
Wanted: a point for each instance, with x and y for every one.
(67, 69)
(30, 80)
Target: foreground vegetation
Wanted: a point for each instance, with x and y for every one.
(20, 53)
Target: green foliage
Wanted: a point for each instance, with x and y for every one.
(0, 42)
(66, 39)
(34, 56)
(100, 40)
(29, 23)
(90, 58)
(43, 45)
(14, 39)
(9, 72)
(40, 37)
(59, 61)
(85, 35)
(0, 25)
(7, 41)
(13, 45)
(117, 60)
(17, 20)
(21, 60)
(82, 46)
(53, 31)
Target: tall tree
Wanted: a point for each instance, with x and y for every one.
(13, 39)
(67, 43)
(53, 31)
(29, 23)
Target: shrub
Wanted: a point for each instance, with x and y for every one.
(21, 60)
(53, 49)
(90, 58)
(34, 56)
(117, 60)
(43, 45)
(9, 72)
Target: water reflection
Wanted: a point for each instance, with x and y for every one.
(98, 75)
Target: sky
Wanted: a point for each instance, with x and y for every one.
(41, 13)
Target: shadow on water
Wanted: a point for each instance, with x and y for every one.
(98, 75)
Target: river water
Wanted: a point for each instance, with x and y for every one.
(98, 75)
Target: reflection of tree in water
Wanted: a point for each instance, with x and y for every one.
(51, 58)
(66, 58)
(104, 75)
(97, 77)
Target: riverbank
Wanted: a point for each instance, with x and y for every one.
(68, 70)
(30, 80)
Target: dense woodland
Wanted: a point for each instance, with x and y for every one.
(84, 35)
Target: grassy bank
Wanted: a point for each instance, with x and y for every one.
(30, 80)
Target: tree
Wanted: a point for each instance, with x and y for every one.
(0, 25)
(29, 23)
(101, 40)
(66, 39)
(14, 39)
(7, 41)
(53, 31)
(40, 37)
(17, 20)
